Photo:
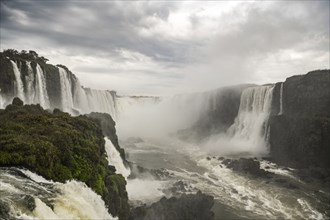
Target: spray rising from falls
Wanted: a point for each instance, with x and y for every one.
(249, 132)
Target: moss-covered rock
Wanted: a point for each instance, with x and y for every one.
(109, 130)
(60, 147)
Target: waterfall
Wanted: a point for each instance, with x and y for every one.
(251, 124)
(101, 101)
(53, 200)
(2, 101)
(115, 159)
(66, 92)
(19, 84)
(281, 100)
(29, 84)
(41, 89)
(80, 101)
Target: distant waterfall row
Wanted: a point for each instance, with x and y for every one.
(31, 87)
(34, 90)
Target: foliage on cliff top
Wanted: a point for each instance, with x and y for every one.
(60, 147)
(25, 55)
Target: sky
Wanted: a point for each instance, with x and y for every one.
(169, 47)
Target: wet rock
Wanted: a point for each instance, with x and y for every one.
(29, 202)
(244, 198)
(4, 211)
(221, 158)
(188, 206)
(247, 166)
(208, 158)
(226, 162)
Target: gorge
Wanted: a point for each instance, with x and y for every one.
(166, 146)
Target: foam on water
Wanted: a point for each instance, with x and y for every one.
(70, 200)
(146, 190)
(256, 196)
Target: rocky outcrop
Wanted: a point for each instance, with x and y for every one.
(300, 141)
(60, 147)
(305, 95)
(246, 166)
(188, 206)
(109, 130)
(299, 136)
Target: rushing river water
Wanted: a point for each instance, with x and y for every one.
(236, 196)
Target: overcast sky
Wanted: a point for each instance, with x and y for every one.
(161, 48)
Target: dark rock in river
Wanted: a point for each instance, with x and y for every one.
(247, 166)
(191, 206)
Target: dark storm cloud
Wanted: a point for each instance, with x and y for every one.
(93, 27)
(185, 44)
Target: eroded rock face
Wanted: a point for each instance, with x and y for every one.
(300, 142)
(299, 136)
(108, 129)
(190, 206)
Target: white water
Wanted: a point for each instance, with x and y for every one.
(66, 90)
(71, 200)
(100, 101)
(248, 134)
(115, 159)
(29, 82)
(2, 101)
(281, 99)
(41, 89)
(19, 84)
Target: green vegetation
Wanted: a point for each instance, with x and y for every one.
(60, 147)
(30, 56)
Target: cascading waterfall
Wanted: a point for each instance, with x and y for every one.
(2, 101)
(281, 100)
(70, 200)
(33, 89)
(41, 91)
(115, 159)
(100, 101)
(29, 84)
(19, 84)
(80, 101)
(251, 123)
(66, 91)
